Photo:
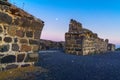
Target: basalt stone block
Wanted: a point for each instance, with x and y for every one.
(37, 35)
(36, 25)
(33, 42)
(29, 34)
(35, 48)
(16, 21)
(25, 22)
(8, 59)
(32, 57)
(25, 48)
(14, 10)
(25, 65)
(4, 48)
(20, 33)
(12, 66)
(23, 41)
(1, 30)
(30, 17)
(5, 18)
(20, 57)
(12, 30)
(15, 47)
(0, 38)
(8, 39)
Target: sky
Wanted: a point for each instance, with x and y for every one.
(100, 16)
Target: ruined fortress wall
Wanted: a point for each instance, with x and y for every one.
(73, 43)
(19, 37)
(111, 47)
(51, 45)
(81, 41)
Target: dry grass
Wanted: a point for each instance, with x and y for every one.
(12, 74)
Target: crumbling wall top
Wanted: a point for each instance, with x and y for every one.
(75, 26)
(18, 16)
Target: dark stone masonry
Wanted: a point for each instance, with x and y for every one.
(19, 36)
(81, 41)
(51, 45)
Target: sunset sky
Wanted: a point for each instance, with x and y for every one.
(100, 16)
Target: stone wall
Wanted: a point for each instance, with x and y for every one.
(81, 41)
(51, 45)
(111, 47)
(19, 37)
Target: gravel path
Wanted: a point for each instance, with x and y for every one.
(63, 66)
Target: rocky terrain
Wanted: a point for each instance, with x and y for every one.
(62, 66)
